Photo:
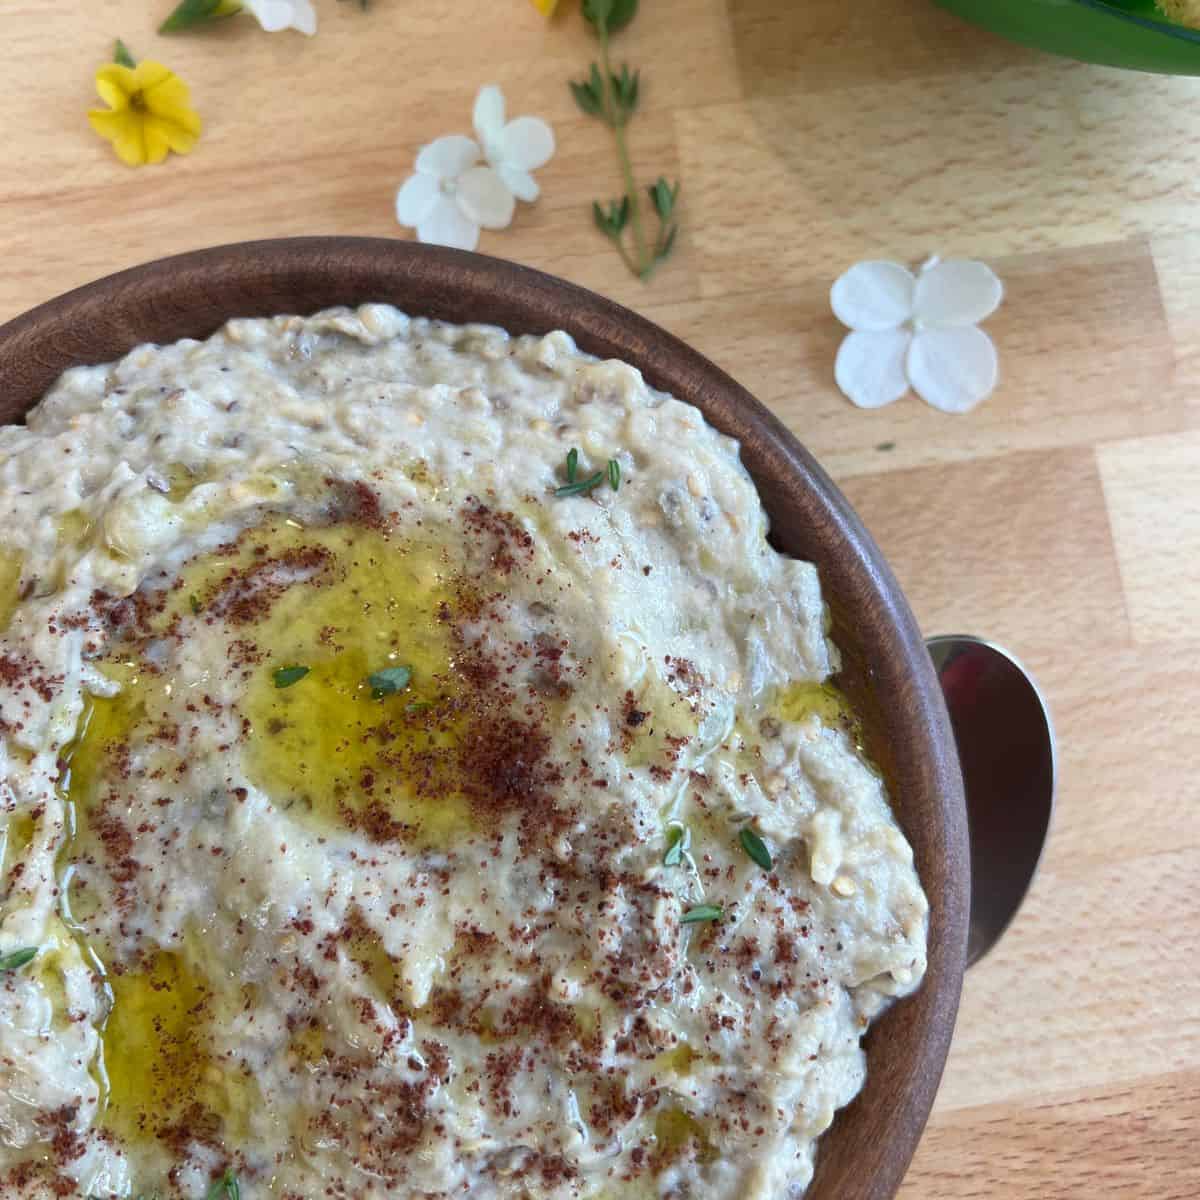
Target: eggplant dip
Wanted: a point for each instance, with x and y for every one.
(421, 779)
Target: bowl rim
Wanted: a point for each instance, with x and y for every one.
(868, 1148)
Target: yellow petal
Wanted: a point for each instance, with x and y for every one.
(148, 74)
(545, 7)
(124, 130)
(115, 84)
(169, 99)
(155, 140)
(172, 134)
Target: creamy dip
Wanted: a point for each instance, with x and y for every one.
(402, 805)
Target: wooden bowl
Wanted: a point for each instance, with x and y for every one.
(887, 671)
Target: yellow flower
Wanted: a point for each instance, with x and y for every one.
(545, 7)
(148, 112)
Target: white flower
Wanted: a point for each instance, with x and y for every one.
(513, 148)
(919, 331)
(274, 15)
(452, 194)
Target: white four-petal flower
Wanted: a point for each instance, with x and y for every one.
(919, 331)
(275, 15)
(453, 194)
(513, 148)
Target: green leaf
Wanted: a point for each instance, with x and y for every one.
(755, 847)
(597, 12)
(663, 197)
(194, 602)
(286, 676)
(121, 55)
(625, 91)
(587, 100)
(608, 16)
(189, 13)
(674, 854)
(702, 912)
(225, 1188)
(669, 244)
(389, 681)
(18, 958)
(581, 486)
(572, 464)
(612, 222)
(614, 474)
(621, 13)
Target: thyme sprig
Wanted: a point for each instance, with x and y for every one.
(612, 97)
(18, 958)
(578, 487)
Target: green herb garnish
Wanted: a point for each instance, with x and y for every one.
(18, 958)
(702, 912)
(577, 487)
(674, 854)
(225, 1188)
(194, 602)
(755, 847)
(581, 486)
(286, 676)
(389, 680)
(188, 13)
(121, 55)
(613, 99)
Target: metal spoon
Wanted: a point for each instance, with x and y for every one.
(1006, 747)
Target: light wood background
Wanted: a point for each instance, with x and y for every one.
(1062, 517)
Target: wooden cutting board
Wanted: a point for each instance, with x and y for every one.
(1061, 518)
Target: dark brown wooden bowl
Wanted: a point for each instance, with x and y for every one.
(887, 670)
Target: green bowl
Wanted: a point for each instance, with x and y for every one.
(1123, 33)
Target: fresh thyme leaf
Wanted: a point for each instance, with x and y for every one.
(388, 681)
(614, 474)
(625, 90)
(608, 16)
(613, 221)
(702, 912)
(674, 854)
(589, 94)
(668, 243)
(755, 847)
(121, 55)
(587, 100)
(581, 486)
(189, 13)
(572, 464)
(663, 197)
(225, 1188)
(596, 12)
(18, 958)
(286, 676)
(194, 602)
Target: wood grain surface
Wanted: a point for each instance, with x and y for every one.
(1062, 517)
